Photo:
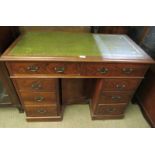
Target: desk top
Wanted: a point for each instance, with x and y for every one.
(68, 46)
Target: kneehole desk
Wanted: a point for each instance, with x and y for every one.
(53, 69)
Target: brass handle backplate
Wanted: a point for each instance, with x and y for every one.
(39, 98)
(120, 86)
(36, 86)
(111, 109)
(127, 70)
(41, 111)
(103, 70)
(59, 69)
(116, 97)
(33, 68)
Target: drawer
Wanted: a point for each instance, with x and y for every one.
(131, 69)
(114, 97)
(41, 111)
(39, 98)
(120, 84)
(45, 85)
(112, 109)
(108, 69)
(61, 68)
(43, 68)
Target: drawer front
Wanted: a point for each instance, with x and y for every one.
(39, 98)
(44, 68)
(63, 68)
(27, 67)
(114, 97)
(126, 70)
(45, 85)
(41, 111)
(98, 69)
(120, 84)
(110, 109)
(131, 69)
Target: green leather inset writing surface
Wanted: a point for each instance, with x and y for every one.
(56, 44)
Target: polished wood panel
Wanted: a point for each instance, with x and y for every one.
(37, 68)
(102, 69)
(37, 84)
(41, 111)
(79, 69)
(120, 84)
(63, 68)
(114, 97)
(39, 98)
(112, 109)
(44, 118)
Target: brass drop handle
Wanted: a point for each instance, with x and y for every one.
(120, 86)
(33, 68)
(116, 97)
(41, 111)
(36, 86)
(103, 70)
(110, 109)
(59, 69)
(39, 98)
(127, 70)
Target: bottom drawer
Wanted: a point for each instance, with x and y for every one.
(41, 111)
(112, 109)
(114, 97)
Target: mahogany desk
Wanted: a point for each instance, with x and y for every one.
(52, 69)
